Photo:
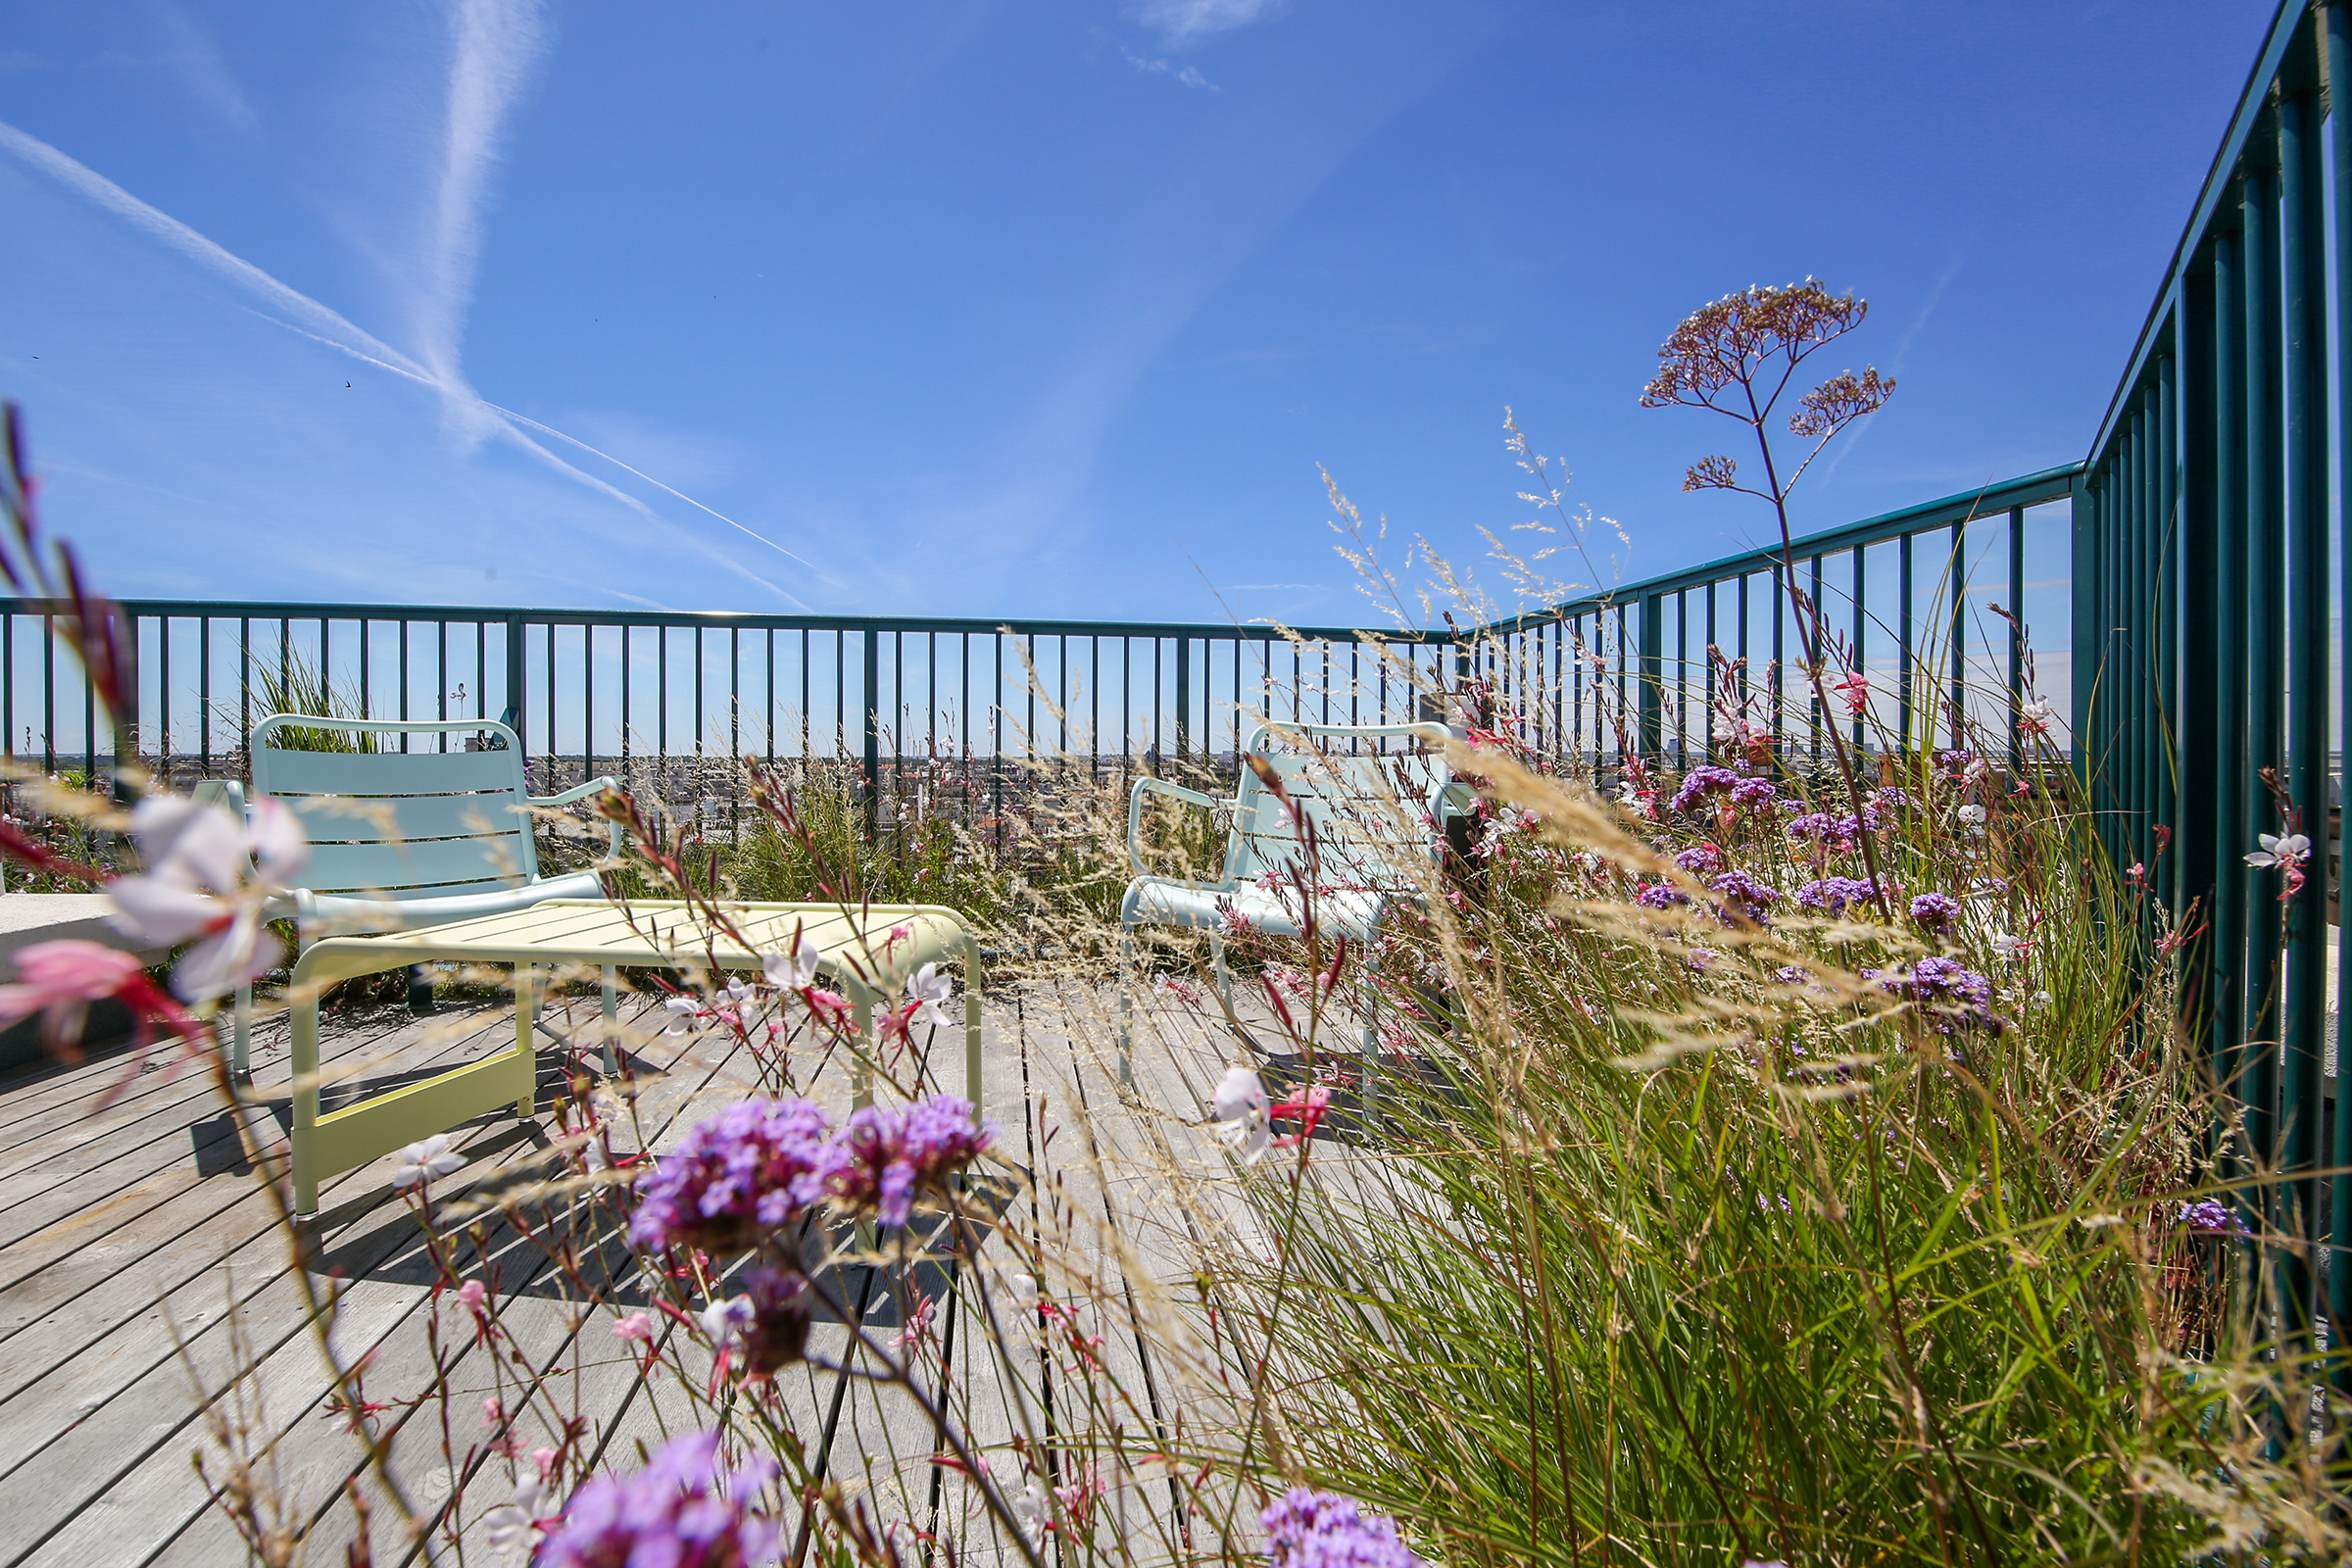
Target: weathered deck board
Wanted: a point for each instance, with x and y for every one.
(117, 1226)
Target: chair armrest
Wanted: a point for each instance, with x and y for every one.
(578, 792)
(1148, 785)
(581, 792)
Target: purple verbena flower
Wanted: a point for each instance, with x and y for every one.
(1700, 858)
(1754, 793)
(678, 1511)
(889, 1154)
(782, 1309)
(1890, 796)
(1937, 911)
(1662, 896)
(754, 1167)
(1835, 895)
(1701, 782)
(1954, 996)
(1745, 893)
(1307, 1528)
(1813, 825)
(2210, 1215)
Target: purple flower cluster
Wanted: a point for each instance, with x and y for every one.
(671, 1512)
(1746, 893)
(781, 1311)
(1835, 895)
(1754, 793)
(1307, 1529)
(1890, 796)
(1660, 895)
(1700, 860)
(1937, 911)
(889, 1154)
(2210, 1215)
(753, 1167)
(1701, 782)
(1957, 996)
(1822, 827)
(760, 1164)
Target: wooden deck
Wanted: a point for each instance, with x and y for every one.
(119, 1230)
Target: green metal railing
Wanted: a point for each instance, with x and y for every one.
(1630, 671)
(2207, 598)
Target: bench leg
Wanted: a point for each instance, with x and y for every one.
(611, 1001)
(862, 1022)
(527, 1015)
(306, 1102)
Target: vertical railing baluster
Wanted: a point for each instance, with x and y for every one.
(2306, 633)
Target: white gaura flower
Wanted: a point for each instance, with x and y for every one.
(208, 877)
(514, 1527)
(724, 1321)
(2006, 945)
(683, 1011)
(1973, 816)
(420, 1163)
(795, 970)
(1033, 1511)
(927, 989)
(737, 991)
(2292, 850)
(1240, 1108)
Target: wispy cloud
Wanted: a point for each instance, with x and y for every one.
(1190, 76)
(1894, 366)
(496, 44)
(191, 56)
(1184, 22)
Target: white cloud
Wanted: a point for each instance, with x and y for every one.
(190, 54)
(1188, 74)
(1183, 21)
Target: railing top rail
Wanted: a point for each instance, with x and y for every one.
(2252, 103)
(2030, 490)
(720, 619)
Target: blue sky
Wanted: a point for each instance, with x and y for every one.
(1036, 309)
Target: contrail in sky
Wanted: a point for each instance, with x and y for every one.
(323, 325)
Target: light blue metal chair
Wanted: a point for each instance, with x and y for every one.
(402, 839)
(1379, 819)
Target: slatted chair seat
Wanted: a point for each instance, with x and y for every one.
(407, 838)
(1377, 814)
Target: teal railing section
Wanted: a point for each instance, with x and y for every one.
(2209, 548)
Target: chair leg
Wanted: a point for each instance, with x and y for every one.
(240, 1036)
(611, 998)
(1216, 959)
(1126, 1029)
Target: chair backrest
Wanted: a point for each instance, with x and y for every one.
(1373, 812)
(413, 824)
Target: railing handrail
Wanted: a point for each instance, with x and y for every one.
(2253, 101)
(723, 620)
(2027, 490)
